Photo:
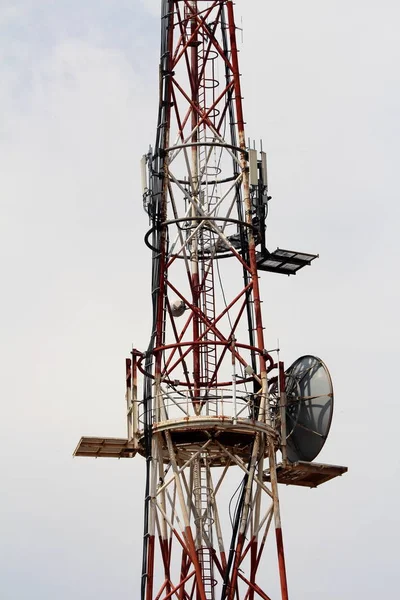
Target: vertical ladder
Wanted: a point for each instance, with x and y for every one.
(208, 171)
(204, 522)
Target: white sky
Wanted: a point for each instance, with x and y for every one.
(78, 105)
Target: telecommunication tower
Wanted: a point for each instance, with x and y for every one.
(208, 405)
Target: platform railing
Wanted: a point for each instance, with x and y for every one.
(218, 404)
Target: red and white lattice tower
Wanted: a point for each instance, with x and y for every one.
(211, 416)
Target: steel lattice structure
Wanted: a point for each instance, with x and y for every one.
(198, 186)
(212, 414)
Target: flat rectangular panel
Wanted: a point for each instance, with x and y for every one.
(253, 167)
(284, 253)
(282, 261)
(264, 168)
(98, 447)
(271, 263)
(306, 474)
(143, 170)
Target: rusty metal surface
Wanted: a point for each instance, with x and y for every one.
(306, 474)
(98, 447)
(190, 434)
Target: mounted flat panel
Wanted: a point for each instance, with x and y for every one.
(264, 171)
(253, 167)
(143, 170)
(309, 396)
(287, 262)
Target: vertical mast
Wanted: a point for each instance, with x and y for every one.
(215, 402)
(207, 220)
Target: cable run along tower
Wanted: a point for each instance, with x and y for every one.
(208, 405)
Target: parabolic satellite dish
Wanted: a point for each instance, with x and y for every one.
(309, 408)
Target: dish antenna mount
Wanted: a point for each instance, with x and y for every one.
(309, 408)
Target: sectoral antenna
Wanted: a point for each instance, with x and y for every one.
(286, 262)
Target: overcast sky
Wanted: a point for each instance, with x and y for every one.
(78, 99)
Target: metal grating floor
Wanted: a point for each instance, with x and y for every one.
(306, 474)
(97, 447)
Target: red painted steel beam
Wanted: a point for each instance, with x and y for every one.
(179, 586)
(255, 587)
